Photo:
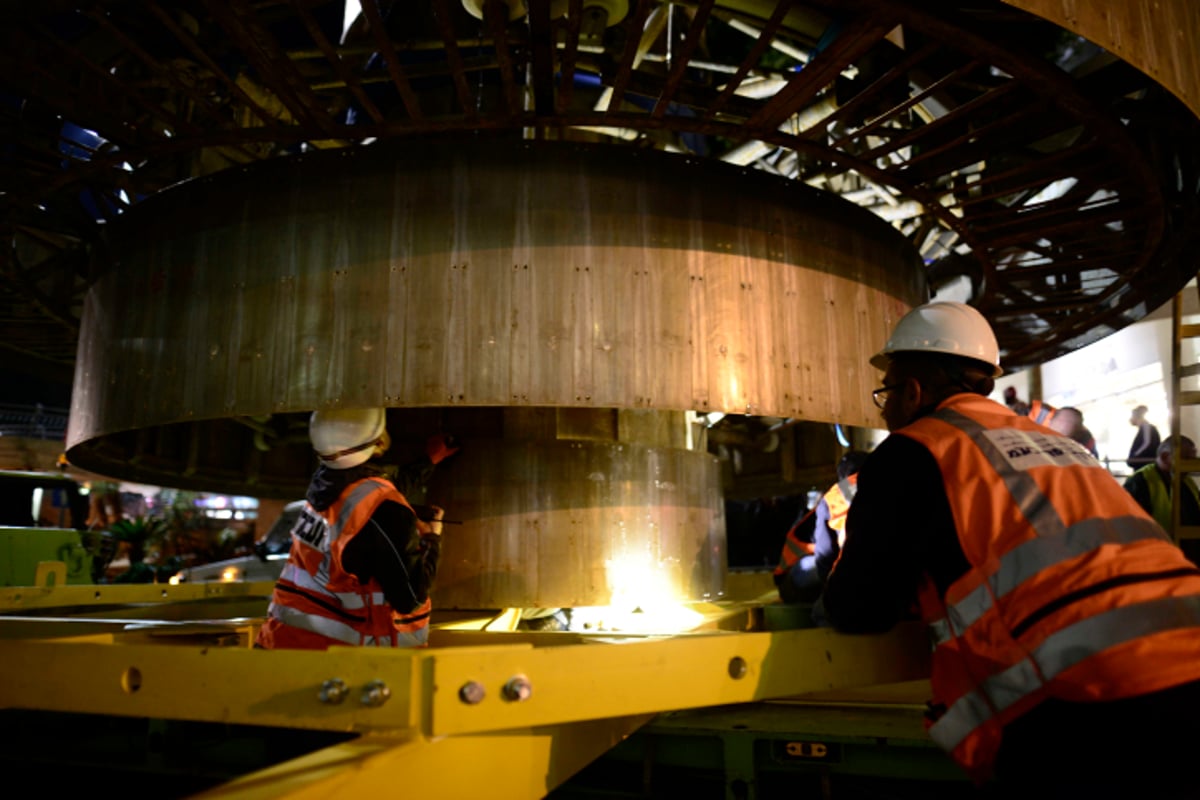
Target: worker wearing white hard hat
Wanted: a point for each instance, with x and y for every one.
(362, 562)
(344, 438)
(945, 327)
(1062, 616)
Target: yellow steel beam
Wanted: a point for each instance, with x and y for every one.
(15, 599)
(522, 710)
(590, 681)
(506, 620)
(513, 764)
(750, 584)
(447, 690)
(131, 629)
(212, 684)
(743, 587)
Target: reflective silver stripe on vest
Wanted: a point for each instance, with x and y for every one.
(1031, 557)
(344, 633)
(348, 600)
(315, 624)
(364, 490)
(1058, 652)
(1054, 543)
(1034, 505)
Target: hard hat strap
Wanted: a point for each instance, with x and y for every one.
(349, 450)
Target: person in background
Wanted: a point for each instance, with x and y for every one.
(1061, 615)
(1010, 400)
(810, 550)
(1144, 449)
(1150, 486)
(1041, 413)
(362, 562)
(1069, 422)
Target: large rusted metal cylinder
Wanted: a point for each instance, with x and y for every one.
(569, 506)
(566, 524)
(473, 274)
(502, 274)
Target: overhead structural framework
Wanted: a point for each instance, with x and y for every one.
(1052, 179)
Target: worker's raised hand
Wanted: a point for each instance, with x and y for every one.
(441, 446)
(436, 513)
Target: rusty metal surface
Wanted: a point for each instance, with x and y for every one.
(506, 274)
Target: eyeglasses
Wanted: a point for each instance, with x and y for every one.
(880, 394)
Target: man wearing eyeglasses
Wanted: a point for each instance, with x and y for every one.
(1062, 617)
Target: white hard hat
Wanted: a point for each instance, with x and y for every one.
(346, 437)
(942, 326)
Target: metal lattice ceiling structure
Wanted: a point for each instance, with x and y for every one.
(1054, 180)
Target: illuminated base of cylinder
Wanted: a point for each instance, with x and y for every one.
(579, 523)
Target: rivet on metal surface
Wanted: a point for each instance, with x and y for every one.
(375, 694)
(518, 689)
(471, 692)
(738, 668)
(333, 691)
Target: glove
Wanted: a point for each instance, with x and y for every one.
(440, 446)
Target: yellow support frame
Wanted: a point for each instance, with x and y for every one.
(518, 764)
(482, 713)
(16, 599)
(162, 675)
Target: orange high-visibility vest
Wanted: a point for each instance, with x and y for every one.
(317, 603)
(1041, 413)
(794, 548)
(838, 498)
(1074, 592)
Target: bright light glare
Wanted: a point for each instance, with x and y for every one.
(1053, 191)
(654, 620)
(644, 600)
(37, 504)
(176, 579)
(229, 574)
(349, 13)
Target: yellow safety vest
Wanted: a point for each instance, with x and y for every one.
(1160, 494)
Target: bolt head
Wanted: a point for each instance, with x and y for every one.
(375, 694)
(518, 689)
(472, 692)
(333, 691)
